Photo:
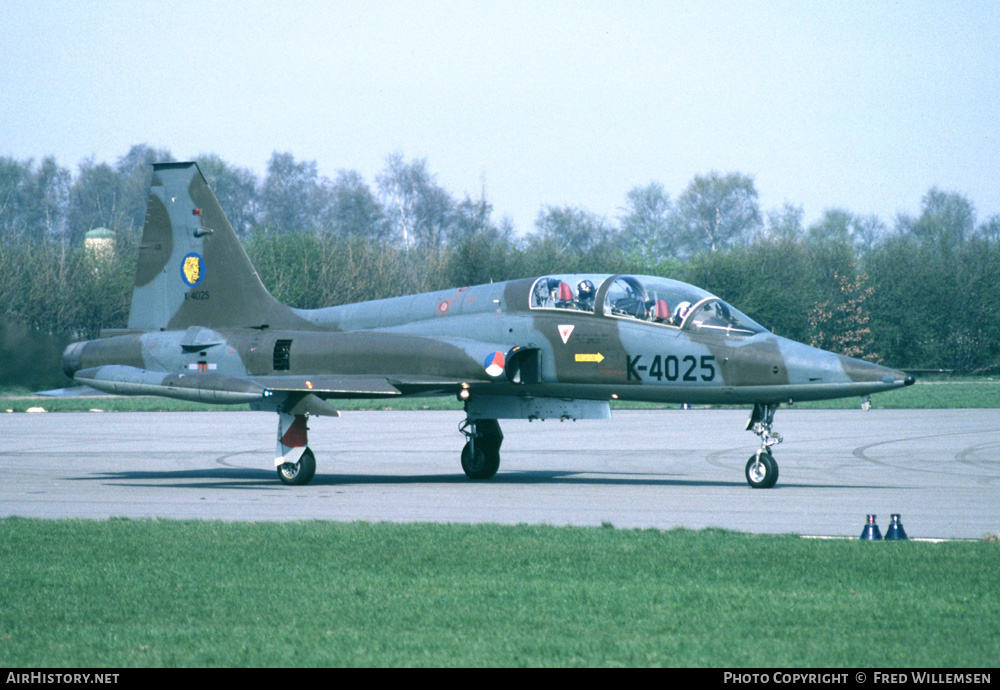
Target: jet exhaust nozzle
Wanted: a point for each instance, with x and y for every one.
(72, 358)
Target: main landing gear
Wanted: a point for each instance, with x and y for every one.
(762, 468)
(295, 462)
(481, 455)
(301, 472)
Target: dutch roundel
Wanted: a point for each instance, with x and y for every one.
(494, 364)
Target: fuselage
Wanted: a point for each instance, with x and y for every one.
(632, 338)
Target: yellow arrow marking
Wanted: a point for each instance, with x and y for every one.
(583, 357)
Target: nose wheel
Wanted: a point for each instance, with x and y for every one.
(762, 470)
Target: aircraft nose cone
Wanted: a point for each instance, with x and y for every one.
(860, 371)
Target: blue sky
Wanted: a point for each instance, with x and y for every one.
(857, 105)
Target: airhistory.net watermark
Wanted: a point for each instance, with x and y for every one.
(39, 677)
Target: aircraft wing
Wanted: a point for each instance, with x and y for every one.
(212, 387)
(335, 386)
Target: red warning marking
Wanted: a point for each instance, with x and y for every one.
(443, 307)
(297, 435)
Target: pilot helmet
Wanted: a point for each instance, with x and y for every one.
(681, 312)
(585, 288)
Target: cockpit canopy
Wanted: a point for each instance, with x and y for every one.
(655, 300)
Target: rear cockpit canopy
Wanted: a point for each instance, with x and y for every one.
(643, 298)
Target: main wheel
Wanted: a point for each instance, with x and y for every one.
(762, 474)
(482, 464)
(298, 473)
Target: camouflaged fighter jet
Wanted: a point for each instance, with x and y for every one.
(203, 327)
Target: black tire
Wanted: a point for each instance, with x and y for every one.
(481, 465)
(764, 475)
(298, 473)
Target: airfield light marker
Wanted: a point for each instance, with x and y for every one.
(871, 532)
(895, 532)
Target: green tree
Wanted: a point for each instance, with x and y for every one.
(831, 252)
(990, 230)
(236, 190)
(946, 221)
(972, 339)
(95, 200)
(290, 264)
(290, 195)
(15, 184)
(354, 211)
(648, 226)
(785, 223)
(33, 200)
(716, 211)
(568, 229)
(484, 253)
(49, 192)
(419, 210)
(866, 233)
(936, 272)
(908, 314)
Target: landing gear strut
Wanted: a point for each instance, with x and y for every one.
(762, 469)
(481, 455)
(295, 462)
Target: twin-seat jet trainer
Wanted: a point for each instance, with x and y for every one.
(203, 327)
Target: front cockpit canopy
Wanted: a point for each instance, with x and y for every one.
(643, 298)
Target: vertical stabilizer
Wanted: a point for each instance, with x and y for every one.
(192, 270)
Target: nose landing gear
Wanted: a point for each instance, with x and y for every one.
(762, 468)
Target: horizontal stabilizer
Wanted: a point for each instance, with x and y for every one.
(71, 392)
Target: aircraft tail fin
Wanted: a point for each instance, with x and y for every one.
(192, 269)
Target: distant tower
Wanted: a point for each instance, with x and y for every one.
(99, 245)
(100, 242)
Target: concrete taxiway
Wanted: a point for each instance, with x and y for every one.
(660, 468)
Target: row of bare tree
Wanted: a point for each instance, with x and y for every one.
(917, 294)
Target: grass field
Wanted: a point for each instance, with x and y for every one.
(926, 394)
(161, 593)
